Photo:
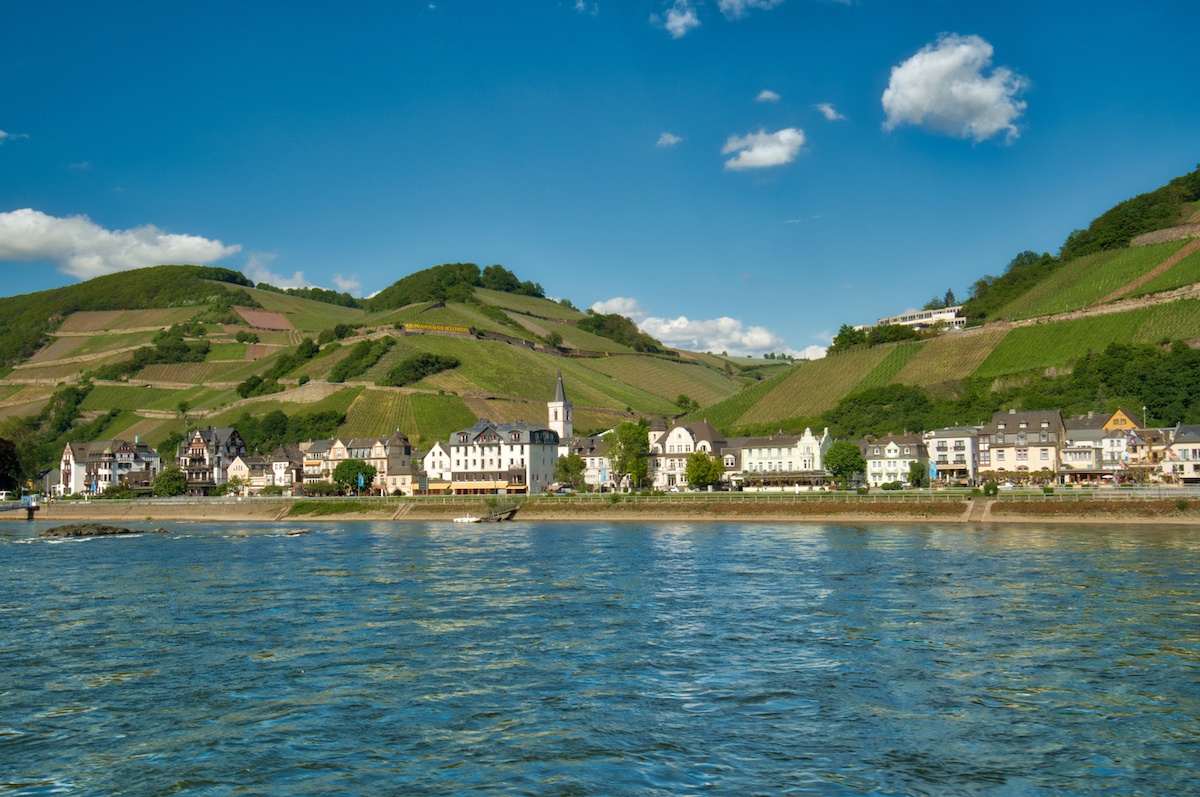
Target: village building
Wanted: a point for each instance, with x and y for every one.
(90, 468)
(206, 457)
(503, 458)
(953, 455)
(1181, 462)
(890, 459)
(436, 465)
(670, 449)
(782, 460)
(1024, 444)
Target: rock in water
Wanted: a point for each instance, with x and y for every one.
(92, 530)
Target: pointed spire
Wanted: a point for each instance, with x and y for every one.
(559, 393)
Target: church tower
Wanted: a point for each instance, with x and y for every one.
(560, 412)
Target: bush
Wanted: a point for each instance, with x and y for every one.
(1047, 490)
(991, 489)
(415, 368)
(1182, 505)
(892, 485)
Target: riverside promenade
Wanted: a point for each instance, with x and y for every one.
(1172, 506)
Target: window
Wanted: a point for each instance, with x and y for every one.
(999, 456)
(1045, 453)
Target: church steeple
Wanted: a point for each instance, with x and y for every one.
(560, 412)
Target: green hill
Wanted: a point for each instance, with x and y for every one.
(153, 352)
(170, 348)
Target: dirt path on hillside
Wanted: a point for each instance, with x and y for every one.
(1161, 268)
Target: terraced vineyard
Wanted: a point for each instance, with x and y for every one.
(378, 412)
(339, 402)
(949, 358)
(108, 321)
(304, 314)
(1086, 280)
(438, 417)
(127, 397)
(726, 414)
(816, 386)
(898, 356)
(1056, 345)
(669, 379)
(226, 351)
(528, 305)
(206, 373)
(1183, 274)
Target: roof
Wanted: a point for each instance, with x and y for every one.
(519, 432)
(560, 395)
(1032, 418)
(1090, 421)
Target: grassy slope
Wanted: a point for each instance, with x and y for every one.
(1181, 275)
(1086, 280)
(1058, 344)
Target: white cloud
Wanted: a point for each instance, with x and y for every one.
(6, 136)
(668, 140)
(620, 305)
(943, 87)
(680, 19)
(762, 149)
(828, 111)
(809, 353)
(766, 95)
(736, 9)
(716, 334)
(80, 247)
(349, 285)
(258, 269)
(82, 166)
(583, 8)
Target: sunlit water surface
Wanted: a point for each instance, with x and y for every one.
(595, 659)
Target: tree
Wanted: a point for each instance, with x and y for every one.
(10, 465)
(170, 482)
(628, 452)
(348, 473)
(234, 485)
(570, 469)
(918, 474)
(703, 470)
(843, 460)
(686, 402)
(846, 338)
(951, 300)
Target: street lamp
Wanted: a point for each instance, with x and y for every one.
(1143, 416)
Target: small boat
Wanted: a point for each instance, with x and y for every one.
(468, 519)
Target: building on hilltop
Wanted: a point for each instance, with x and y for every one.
(951, 317)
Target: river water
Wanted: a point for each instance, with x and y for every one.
(601, 659)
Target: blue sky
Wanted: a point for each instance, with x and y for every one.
(739, 175)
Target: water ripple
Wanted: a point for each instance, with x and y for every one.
(552, 659)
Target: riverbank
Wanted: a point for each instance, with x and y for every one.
(1133, 511)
